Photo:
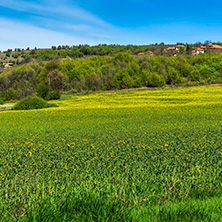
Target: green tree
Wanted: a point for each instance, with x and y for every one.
(122, 80)
(155, 80)
(43, 90)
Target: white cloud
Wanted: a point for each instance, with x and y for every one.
(60, 22)
(56, 9)
(52, 23)
(20, 35)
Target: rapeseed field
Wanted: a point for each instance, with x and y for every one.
(139, 148)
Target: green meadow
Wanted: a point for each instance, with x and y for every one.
(153, 155)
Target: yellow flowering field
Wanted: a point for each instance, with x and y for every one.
(140, 146)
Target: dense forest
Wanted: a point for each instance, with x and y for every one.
(121, 71)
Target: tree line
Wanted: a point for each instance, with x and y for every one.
(21, 56)
(78, 51)
(121, 71)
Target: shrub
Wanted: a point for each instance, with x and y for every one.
(54, 95)
(42, 90)
(31, 103)
(8, 94)
(155, 80)
(1, 102)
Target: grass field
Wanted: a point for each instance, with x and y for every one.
(126, 156)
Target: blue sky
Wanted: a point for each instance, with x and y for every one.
(43, 23)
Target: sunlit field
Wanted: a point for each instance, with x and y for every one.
(130, 156)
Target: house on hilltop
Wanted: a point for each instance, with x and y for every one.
(8, 65)
(178, 47)
(197, 51)
(215, 47)
(194, 52)
(141, 53)
(171, 48)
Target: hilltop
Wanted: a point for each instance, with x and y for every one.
(21, 56)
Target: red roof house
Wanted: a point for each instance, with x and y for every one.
(178, 47)
(141, 53)
(171, 48)
(215, 47)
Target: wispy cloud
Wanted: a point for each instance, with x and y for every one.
(52, 23)
(20, 35)
(66, 9)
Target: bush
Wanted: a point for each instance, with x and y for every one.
(8, 94)
(1, 102)
(54, 95)
(155, 80)
(31, 103)
(42, 90)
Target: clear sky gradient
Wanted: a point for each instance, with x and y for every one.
(43, 23)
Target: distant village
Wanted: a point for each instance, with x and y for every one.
(173, 50)
(10, 58)
(197, 50)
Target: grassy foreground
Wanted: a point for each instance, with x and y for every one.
(126, 156)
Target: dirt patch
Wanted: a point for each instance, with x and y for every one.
(5, 107)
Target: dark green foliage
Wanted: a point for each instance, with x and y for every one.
(16, 55)
(53, 95)
(8, 94)
(195, 75)
(122, 80)
(1, 102)
(22, 79)
(121, 71)
(155, 80)
(43, 90)
(8, 54)
(31, 103)
(173, 76)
